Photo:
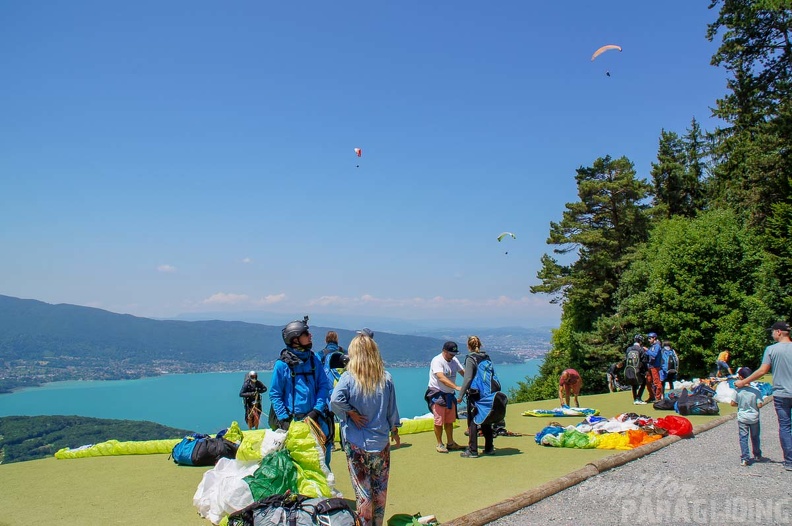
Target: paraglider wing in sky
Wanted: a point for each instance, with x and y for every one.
(603, 49)
(358, 152)
(505, 234)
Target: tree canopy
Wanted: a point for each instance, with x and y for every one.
(698, 250)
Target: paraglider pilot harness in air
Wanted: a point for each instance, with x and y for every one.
(327, 416)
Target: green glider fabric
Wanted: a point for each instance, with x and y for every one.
(307, 455)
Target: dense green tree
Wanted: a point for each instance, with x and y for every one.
(678, 175)
(603, 227)
(699, 283)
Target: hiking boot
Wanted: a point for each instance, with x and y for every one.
(744, 463)
(788, 467)
(468, 454)
(441, 448)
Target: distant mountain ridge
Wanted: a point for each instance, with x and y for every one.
(41, 342)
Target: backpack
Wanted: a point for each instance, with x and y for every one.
(296, 510)
(183, 451)
(485, 393)
(696, 404)
(198, 449)
(670, 361)
(335, 363)
(632, 365)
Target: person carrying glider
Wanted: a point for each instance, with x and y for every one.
(251, 397)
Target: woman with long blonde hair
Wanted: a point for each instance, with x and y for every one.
(365, 402)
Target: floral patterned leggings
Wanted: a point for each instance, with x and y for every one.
(369, 472)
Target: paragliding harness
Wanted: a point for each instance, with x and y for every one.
(252, 404)
(484, 396)
(335, 362)
(197, 449)
(632, 365)
(326, 415)
(670, 361)
(295, 510)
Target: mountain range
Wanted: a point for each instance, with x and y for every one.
(42, 342)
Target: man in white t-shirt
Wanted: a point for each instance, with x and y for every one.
(441, 395)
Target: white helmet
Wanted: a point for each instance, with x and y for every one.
(252, 374)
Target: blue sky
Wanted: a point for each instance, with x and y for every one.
(161, 158)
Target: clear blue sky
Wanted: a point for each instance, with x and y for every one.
(158, 158)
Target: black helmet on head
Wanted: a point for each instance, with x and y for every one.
(294, 329)
(638, 338)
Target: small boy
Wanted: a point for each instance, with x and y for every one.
(748, 400)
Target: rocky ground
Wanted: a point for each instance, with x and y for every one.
(693, 481)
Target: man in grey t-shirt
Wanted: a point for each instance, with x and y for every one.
(778, 359)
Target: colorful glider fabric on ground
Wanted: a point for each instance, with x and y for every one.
(562, 411)
(590, 435)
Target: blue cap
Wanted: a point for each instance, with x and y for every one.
(652, 335)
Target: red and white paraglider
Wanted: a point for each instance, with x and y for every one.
(359, 153)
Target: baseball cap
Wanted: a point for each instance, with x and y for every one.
(780, 326)
(365, 331)
(652, 335)
(451, 347)
(744, 372)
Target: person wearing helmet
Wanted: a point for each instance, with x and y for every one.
(251, 397)
(299, 387)
(635, 369)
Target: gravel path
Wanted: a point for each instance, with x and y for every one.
(693, 481)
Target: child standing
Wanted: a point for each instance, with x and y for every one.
(748, 400)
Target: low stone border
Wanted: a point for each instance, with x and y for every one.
(532, 496)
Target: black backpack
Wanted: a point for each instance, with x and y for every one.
(296, 510)
(696, 404)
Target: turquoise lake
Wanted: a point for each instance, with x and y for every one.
(204, 402)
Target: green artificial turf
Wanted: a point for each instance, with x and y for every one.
(150, 489)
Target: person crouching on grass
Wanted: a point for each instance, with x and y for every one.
(570, 382)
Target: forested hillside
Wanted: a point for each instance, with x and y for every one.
(40, 342)
(30, 437)
(698, 250)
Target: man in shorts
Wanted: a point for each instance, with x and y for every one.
(441, 395)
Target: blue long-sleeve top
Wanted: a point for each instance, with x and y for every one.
(379, 408)
(655, 355)
(298, 394)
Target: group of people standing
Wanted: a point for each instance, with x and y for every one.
(646, 367)
(355, 389)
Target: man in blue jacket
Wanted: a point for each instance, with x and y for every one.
(654, 355)
(299, 386)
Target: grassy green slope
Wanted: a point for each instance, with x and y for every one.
(135, 490)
